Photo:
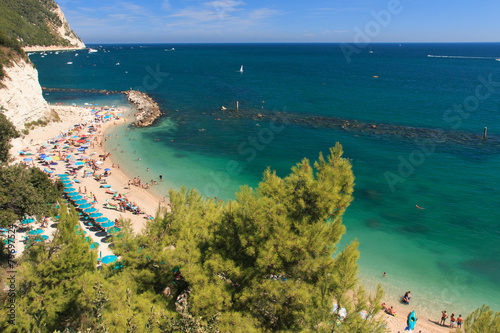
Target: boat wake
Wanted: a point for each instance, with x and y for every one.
(460, 57)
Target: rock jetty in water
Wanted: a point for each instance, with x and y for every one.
(149, 111)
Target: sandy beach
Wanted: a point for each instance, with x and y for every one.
(118, 181)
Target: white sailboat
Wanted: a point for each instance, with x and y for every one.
(241, 69)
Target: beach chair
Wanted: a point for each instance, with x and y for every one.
(110, 206)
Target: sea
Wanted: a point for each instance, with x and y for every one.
(426, 207)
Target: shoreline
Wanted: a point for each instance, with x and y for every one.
(150, 202)
(51, 48)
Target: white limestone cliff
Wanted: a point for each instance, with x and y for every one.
(21, 96)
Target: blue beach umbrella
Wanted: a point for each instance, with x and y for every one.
(95, 215)
(102, 219)
(35, 232)
(8, 241)
(107, 169)
(43, 238)
(42, 156)
(72, 194)
(76, 197)
(47, 170)
(80, 202)
(85, 206)
(109, 259)
(109, 224)
(28, 159)
(67, 181)
(27, 221)
(62, 175)
(90, 210)
(114, 230)
(79, 163)
(47, 159)
(69, 189)
(94, 245)
(68, 186)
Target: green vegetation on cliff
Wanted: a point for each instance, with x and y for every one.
(10, 49)
(32, 22)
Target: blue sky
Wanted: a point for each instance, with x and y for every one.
(211, 21)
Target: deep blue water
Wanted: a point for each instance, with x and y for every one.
(447, 254)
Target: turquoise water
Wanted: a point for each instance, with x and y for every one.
(447, 254)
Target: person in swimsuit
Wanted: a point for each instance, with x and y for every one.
(452, 320)
(443, 318)
(460, 320)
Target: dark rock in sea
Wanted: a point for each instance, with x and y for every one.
(487, 267)
(373, 223)
(415, 229)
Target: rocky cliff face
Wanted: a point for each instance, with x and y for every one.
(21, 98)
(63, 31)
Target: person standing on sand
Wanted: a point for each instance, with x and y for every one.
(460, 320)
(161, 178)
(443, 318)
(452, 320)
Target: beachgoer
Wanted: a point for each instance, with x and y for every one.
(391, 311)
(443, 318)
(452, 320)
(161, 178)
(384, 307)
(384, 274)
(460, 320)
(406, 297)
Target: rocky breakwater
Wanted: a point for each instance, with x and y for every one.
(149, 111)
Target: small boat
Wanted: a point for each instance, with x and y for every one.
(76, 54)
(69, 63)
(497, 59)
(92, 50)
(117, 64)
(241, 69)
(412, 320)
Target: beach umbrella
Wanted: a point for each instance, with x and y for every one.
(80, 202)
(69, 189)
(79, 163)
(114, 230)
(109, 224)
(99, 162)
(102, 220)
(28, 159)
(62, 175)
(109, 259)
(55, 158)
(90, 210)
(95, 215)
(43, 238)
(77, 197)
(47, 159)
(47, 171)
(107, 169)
(27, 221)
(8, 241)
(85, 206)
(72, 194)
(66, 181)
(81, 149)
(94, 245)
(35, 232)
(53, 163)
(42, 156)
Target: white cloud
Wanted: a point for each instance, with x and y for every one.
(166, 5)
